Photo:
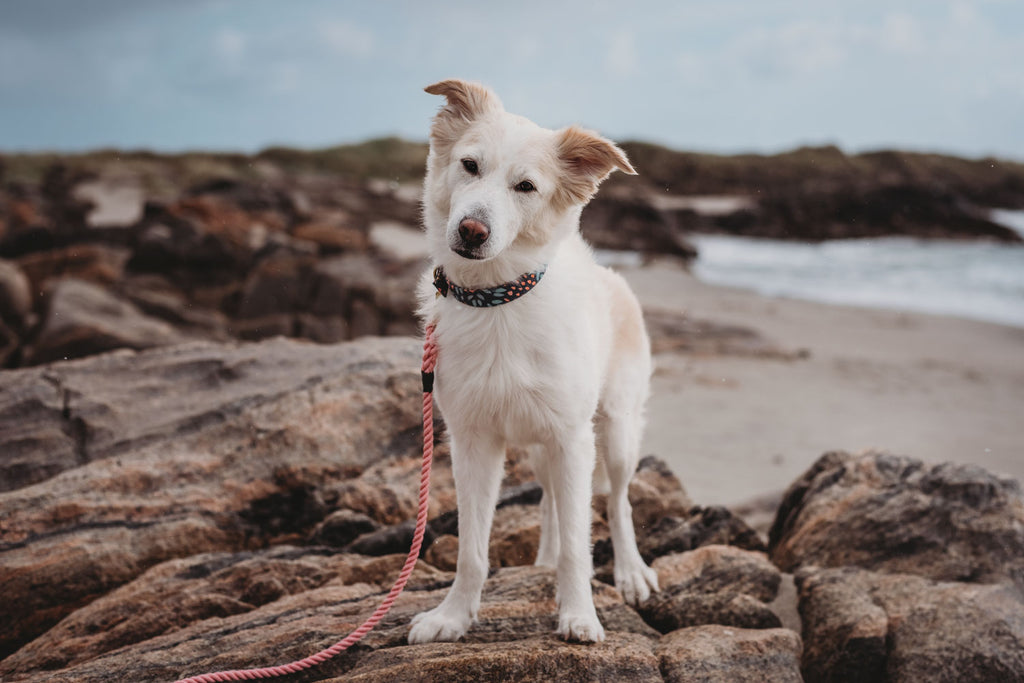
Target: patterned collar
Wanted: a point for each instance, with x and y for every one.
(490, 296)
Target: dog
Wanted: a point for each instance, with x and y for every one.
(538, 347)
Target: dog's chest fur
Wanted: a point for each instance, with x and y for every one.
(527, 369)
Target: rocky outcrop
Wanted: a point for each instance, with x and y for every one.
(140, 458)
(884, 512)
(209, 506)
(283, 243)
(861, 625)
(819, 193)
(905, 571)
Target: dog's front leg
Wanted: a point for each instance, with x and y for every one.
(478, 466)
(571, 471)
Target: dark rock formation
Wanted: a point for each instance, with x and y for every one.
(906, 571)
(878, 511)
(861, 625)
(715, 584)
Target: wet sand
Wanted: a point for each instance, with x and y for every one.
(735, 428)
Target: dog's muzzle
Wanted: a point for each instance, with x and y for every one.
(473, 233)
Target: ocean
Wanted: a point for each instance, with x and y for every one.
(970, 279)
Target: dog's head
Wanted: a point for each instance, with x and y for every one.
(497, 183)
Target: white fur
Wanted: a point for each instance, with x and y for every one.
(563, 371)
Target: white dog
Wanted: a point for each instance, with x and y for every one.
(538, 347)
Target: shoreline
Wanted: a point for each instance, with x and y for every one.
(737, 429)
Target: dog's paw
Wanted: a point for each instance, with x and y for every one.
(581, 629)
(438, 625)
(636, 584)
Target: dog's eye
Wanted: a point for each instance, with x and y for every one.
(525, 186)
(470, 166)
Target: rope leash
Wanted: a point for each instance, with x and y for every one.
(429, 363)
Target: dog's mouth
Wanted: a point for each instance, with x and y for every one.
(467, 253)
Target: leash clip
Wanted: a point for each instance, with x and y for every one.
(440, 282)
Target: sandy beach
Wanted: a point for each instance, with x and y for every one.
(737, 428)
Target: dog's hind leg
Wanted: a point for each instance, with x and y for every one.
(477, 463)
(620, 428)
(547, 551)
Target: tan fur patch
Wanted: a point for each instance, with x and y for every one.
(586, 159)
(467, 102)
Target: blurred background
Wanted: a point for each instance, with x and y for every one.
(222, 169)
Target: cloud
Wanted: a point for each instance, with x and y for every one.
(348, 39)
(901, 33)
(229, 44)
(621, 59)
(798, 49)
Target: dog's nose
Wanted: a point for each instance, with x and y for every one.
(473, 232)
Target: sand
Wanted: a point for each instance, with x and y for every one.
(735, 429)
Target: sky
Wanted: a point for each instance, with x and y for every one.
(721, 76)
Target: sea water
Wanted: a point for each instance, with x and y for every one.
(972, 279)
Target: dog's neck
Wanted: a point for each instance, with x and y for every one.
(487, 297)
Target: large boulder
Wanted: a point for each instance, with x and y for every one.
(714, 584)
(861, 625)
(905, 571)
(947, 522)
(83, 319)
(138, 458)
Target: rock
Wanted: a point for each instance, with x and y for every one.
(156, 297)
(191, 243)
(333, 233)
(15, 295)
(181, 592)
(115, 202)
(714, 584)
(667, 611)
(342, 527)
(515, 535)
(861, 625)
(9, 343)
(374, 295)
(540, 659)
(718, 568)
(95, 263)
(443, 552)
(655, 492)
(703, 526)
(83, 319)
(621, 221)
(185, 617)
(189, 449)
(946, 522)
(719, 654)
(277, 285)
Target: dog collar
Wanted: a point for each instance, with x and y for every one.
(488, 296)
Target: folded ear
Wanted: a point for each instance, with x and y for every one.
(587, 159)
(467, 102)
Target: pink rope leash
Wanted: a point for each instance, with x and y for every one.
(429, 363)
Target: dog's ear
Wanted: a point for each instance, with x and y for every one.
(587, 159)
(467, 102)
